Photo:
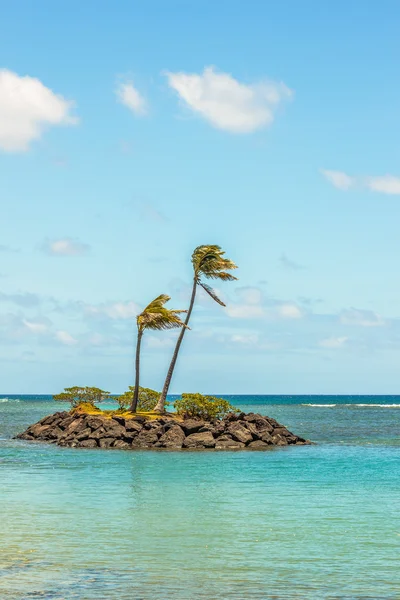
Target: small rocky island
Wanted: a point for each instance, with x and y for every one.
(236, 431)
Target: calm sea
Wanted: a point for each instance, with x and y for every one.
(318, 522)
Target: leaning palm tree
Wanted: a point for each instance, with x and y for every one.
(156, 317)
(208, 261)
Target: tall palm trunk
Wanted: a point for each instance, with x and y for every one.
(160, 406)
(135, 400)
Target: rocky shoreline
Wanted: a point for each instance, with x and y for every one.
(235, 432)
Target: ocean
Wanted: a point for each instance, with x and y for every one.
(311, 522)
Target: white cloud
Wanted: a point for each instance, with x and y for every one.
(65, 338)
(245, 339)
(362, 318)
(225, 102)
(130, 97)
(340, 180)
(245, 311)
(37, 327)
(333, 342)
(289, 311)
(27, 107)
(65, 247)
(115, 310)
(387, 184)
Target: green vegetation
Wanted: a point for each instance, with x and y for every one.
(203, 407)
(147, 399)
(158, 318)
(208, 261)
(82, 395)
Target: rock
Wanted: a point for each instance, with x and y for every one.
(278, 440)
(281, 431)
(266, 437)
(190, 426)
(173, 438)
(145, 439)
(98, 434)
(54, 433)
(94, 423)
(199, 440)
(87, 444)
(121, 444)
(235, 431)
(257, 445)
(83, 435)
(252, 428)
(77, 425)
(240, 433)
(66, 422)
(228, 444)
(106, 442)
(38, 430)
(113, 429)
(133, 425)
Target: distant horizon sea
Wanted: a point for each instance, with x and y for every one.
(310, 522)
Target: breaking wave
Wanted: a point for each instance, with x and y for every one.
(355, 405)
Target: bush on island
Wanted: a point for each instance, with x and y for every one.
(82, 395)
(147, 399)
(203, 407)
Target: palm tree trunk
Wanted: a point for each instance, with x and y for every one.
(135, 400)
(160, 406)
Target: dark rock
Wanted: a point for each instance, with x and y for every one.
(240, 433)
(228, 444)
(145, 439)
(133, 425)
(98, 434)
(83, 435)
(94, 423)
(266, 437)
(113, 429)
(77, 425)
(192, 425)
(173, 438)
(38, 430)
(279, 440)
(106, 442)
(66, 422)
(252, 428)
(121, 444)
(87, 444)
(231, 417)
(199, 440)
(258, 445)
(235, 431)
(54, 433)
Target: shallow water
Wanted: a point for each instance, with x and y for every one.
(306, 522)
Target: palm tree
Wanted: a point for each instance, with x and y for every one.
(156, 317)
(208, 261)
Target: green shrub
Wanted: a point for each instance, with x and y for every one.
(147, 399)
(82, 395)
(203, 407)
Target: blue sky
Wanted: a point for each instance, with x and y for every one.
(131, 132)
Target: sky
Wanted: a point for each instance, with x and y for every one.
(132, 132)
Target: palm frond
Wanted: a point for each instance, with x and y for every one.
(158, 318)
(211, 293)
(209, 260)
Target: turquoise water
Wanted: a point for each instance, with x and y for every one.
(311, 522)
